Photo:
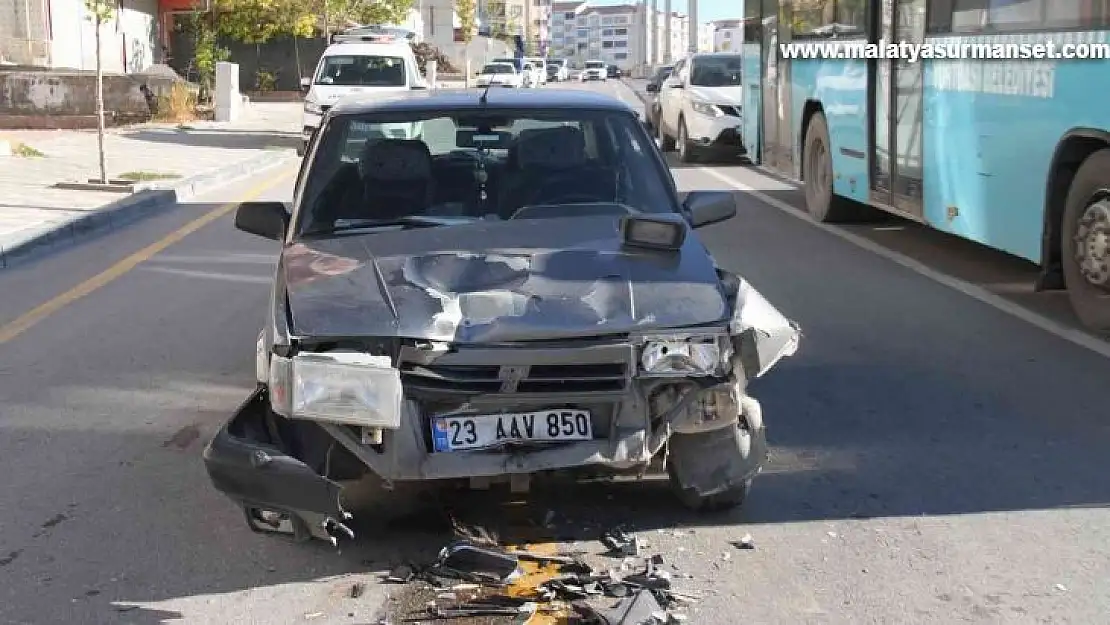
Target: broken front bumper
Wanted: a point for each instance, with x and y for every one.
(278, 492)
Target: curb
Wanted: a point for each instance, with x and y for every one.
(643, 97)
(116, 214)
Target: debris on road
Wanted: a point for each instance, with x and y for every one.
(532, 584)
(744, 543)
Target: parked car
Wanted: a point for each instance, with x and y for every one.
(699, 107)
(654, 84)
(614, 72)
(595, 70)
(558, 70)
(499, 75)
(370, 63)
(421, 328)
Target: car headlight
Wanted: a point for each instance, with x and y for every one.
(705, 108)
(313, 108)
(338, 387)
(683, 356)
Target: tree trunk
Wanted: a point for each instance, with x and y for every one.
(100, 106)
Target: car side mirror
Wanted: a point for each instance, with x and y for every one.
(652, 88)
(268, 220)
(306, 84)
(709, 207)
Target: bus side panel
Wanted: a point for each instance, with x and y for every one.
(991, 128)
(840, 87)
(753, 97)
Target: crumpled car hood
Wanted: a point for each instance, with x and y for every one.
(497, 282)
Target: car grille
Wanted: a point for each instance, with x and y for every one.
(733, 111)
(511, 371)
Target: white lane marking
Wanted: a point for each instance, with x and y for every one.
(1055, 328)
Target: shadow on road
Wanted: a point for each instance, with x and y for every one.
(219, 138)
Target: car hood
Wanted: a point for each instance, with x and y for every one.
(497, 282)
(330, 94)
(718, 95)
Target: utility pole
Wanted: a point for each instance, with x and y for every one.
(693, 26)
(668, 57)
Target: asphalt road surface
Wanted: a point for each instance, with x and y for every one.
(935, 459)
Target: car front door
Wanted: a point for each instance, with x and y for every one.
(670, 97)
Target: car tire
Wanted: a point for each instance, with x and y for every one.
(1086, 213)
(665, 143)
(687, 151)
(821, 203)
(694, 447)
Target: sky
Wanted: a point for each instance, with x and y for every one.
(708, 10)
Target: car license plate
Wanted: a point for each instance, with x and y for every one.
(463, 432)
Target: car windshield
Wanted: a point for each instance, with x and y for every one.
(715, 71)
(595, 65)
(447, 167)
(362, 71)
(498, 68)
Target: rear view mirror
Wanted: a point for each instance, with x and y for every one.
(306, 84)
(709, 207)
(268, 220)
(652, 88)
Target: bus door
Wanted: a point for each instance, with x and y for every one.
(897, 111)
(778, 150)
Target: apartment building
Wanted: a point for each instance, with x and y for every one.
(726, 35)
(619, 34)
(530, 19)
(58, 34)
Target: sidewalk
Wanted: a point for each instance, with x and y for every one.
(175, 161)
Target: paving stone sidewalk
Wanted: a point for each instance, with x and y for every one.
(266, 134)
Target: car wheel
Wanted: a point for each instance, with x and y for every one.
(665, 143)
(723, 454)
(1085, 242)
(821, 203)
(687, 152)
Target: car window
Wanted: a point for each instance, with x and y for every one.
(498, 68)
(371, 167)
(715, 71)
(362, 71)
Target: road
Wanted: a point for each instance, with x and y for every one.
(935, 459)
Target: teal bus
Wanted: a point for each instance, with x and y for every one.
(1013, 154)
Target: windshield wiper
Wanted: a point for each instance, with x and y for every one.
(411, 221)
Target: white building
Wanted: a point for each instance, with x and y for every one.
(705, 37)
(442, 29)
(617, 34)
(727, 35)
(58, 34)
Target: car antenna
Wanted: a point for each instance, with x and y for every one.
(485, 92)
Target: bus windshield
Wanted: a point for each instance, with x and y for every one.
(715, 71)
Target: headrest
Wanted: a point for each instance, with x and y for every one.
(563, 146)
(395, 159)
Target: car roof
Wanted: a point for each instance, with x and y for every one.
(437, 99)
(368, 48)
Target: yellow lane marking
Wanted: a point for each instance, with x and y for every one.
(31, 318)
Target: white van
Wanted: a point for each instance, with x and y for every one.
(363, 64)
(539, 66)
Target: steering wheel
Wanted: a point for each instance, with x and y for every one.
(561, 186)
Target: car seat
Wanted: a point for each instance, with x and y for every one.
(542, 156)
(396, 177)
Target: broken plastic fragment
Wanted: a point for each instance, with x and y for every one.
(744, 543)
(465, 557)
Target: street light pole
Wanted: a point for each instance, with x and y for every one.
(692, 26)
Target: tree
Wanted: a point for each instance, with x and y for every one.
(258, 21)
(100, 12)
(367, 11)
(466, 10)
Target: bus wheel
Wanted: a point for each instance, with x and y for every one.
(1086, 242)
(821, 203)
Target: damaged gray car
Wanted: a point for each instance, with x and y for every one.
(486, 287)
